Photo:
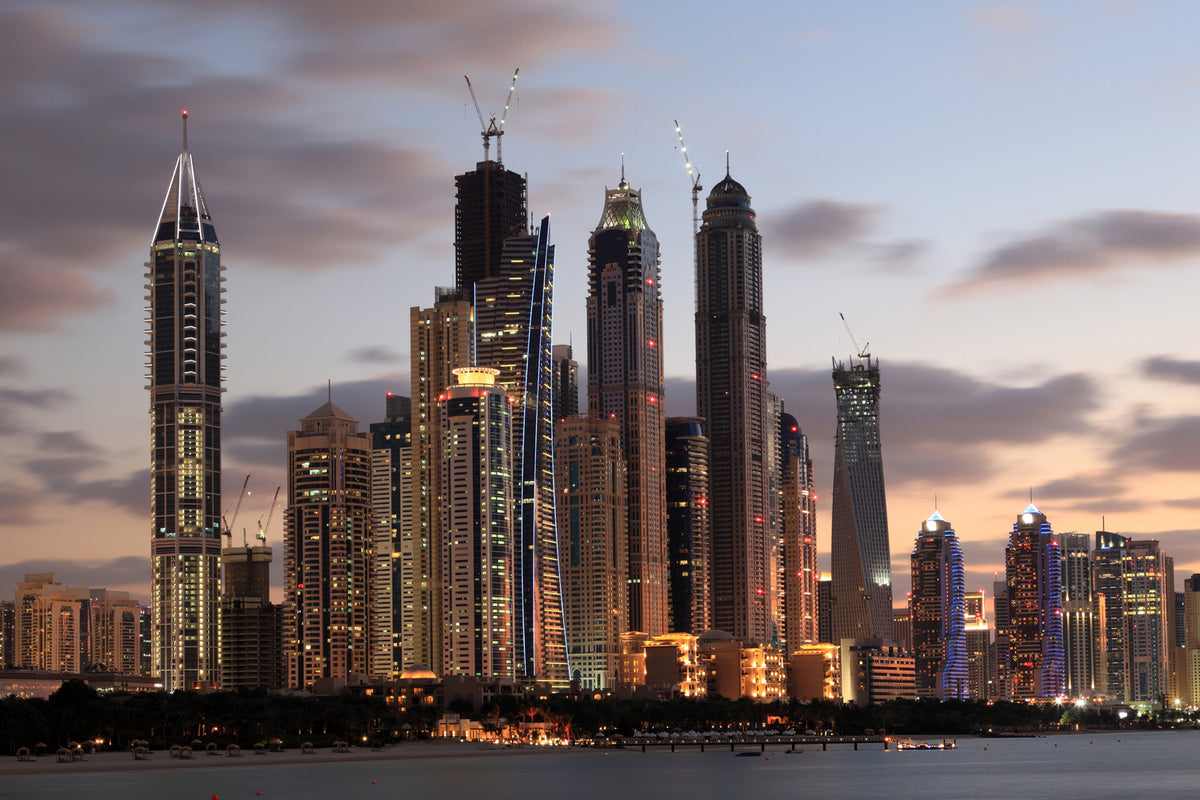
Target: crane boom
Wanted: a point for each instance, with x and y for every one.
(237, 508)
(491, 127)
(262, 529)
(694, 174)
(861, 352)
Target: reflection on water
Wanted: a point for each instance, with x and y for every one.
(1082, 765)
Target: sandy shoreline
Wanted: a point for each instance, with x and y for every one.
(161, 759)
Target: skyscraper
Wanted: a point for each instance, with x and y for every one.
(490, 208)
(1079, 616)
(478, 528)
(1108, 569)
(798, 517)
(566, 382)
(1033, 573)
(689, 530)
(731, 394)
(861, 560)
(979, 640)
(184, 279)
(441, 340)
(328, 543)
(392, 644)
(513, 321)
(1135, 595)
(1189, 679)
(938, 612)
(251, 625)
(591, 482)
(1000, 650)
(625, 383)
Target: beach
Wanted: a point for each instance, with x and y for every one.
(161, 760)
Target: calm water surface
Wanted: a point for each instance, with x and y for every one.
(1159, 764)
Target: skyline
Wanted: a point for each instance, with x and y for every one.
(970, 175)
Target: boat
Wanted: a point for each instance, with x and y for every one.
(748, 753)
(912, 744)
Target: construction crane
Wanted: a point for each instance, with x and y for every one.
(694, 174)
(236, 509)
(862, 352)
(262, 529)
(491, 127)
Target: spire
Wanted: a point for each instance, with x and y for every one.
(184, 215)
(623, 183)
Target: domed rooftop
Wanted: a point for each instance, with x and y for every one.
(728, 193)
(418, 672)
(727, 186)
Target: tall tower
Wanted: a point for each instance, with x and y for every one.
(798, 516)
(1033, 572)
(689, 530)
(1189, 669)
(625, 383)
(590, 478)
(490, 208)
(184, 280)
(328, 544)
(979, 640)
(513, 321)
(1079, 617)
(442, 339)
(566, 382)
(862, 572)
(1108, 574)
(731, 394)
(938, 612)
(391, 501)
(478, 558)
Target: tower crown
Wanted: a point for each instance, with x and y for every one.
(623, 209)
(184, 214)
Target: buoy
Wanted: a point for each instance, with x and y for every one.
(214, 797)
(372, 783)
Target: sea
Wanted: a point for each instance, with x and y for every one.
(1082, 765)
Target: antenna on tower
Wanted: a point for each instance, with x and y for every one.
(694, 174)
(863, 352)
(492, 128)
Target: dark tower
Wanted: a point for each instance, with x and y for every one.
(490, 208)
(861, 558)
(625, 383)
(184, 280)
(689, 534)
(798, 518)
(731, 394)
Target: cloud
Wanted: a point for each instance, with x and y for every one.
(816, 227)
(1184, 502)
(1161, 445)
(131, 493)
(11, 365)
(937, 426)
(11, 400)
(899, 256)
(17, 504)
(73, 442)
(1007, 18)
(1172, 369)
(1103, 242)
(375, 354)
(129, 572)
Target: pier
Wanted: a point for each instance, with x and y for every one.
(791, 742)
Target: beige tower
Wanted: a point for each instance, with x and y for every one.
(441, 340)
(328, 548)
(591, 482)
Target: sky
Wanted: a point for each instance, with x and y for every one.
(1000, 197)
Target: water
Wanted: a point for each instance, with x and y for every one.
(1084, 765)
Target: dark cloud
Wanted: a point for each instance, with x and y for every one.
(1073, 488)
(65, 442)
(815, 227)
(1104, 241)
(17, 504)
(938, 427)
(899, 256)
(131, 493)
(1172, 369)
(59, 473)
(1166, 445)
(1192, 503)
(11, 365)
(128, 573)
(293, 195)
(373, 354)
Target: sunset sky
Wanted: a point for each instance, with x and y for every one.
(1002, 198)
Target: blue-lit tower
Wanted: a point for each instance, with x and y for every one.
(1033, 576)
(184, 280)
(937, 608)
(513, 322)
